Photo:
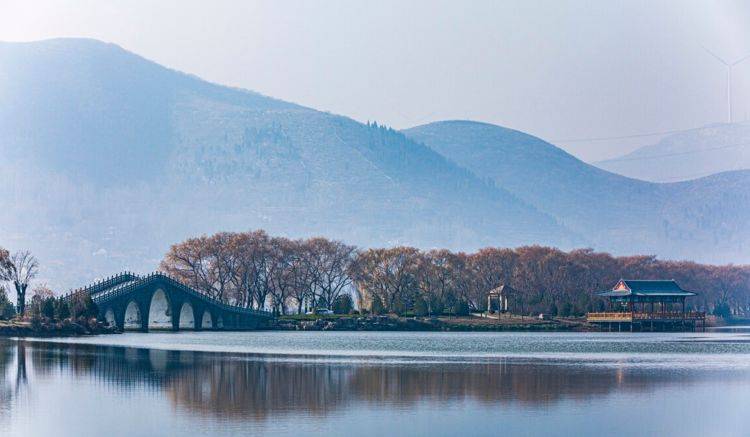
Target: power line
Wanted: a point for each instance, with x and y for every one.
(624, 137)
(687, 152)
(690, 177)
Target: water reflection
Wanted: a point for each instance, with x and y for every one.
(231, 386)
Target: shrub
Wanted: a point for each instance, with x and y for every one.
(420, 308)
(461, 308)
(92, 309)
(553, 310)
(721, 309)
(437, 306)
(7, 310)
(62, 309)
(376, 307)
(48, 308)
(566, 310)
(83, 306)
(399, 307)
(343, 304)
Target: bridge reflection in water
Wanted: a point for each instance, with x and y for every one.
(244, 387)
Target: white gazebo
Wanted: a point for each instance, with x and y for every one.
(499, 295)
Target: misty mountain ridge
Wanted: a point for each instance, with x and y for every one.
(687, 155)
(704, 219)
(110, 158)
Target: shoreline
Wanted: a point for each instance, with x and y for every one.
(24, 329)
(418, 324)
(351, 323)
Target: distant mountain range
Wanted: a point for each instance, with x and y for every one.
(687, 155)
(109, 158)
(705, 219)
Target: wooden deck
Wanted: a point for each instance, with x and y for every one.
(656, 321)
(630, 317)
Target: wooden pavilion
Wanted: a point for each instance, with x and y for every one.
(647, 305)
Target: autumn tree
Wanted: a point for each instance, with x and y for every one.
(283, 258)
(331, 262)
(39, 306)
(390, 275)
(251, 269)
(490, 268)
(304, 274)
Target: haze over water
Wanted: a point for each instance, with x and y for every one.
(277, 383)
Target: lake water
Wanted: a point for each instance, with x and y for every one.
(377, 383)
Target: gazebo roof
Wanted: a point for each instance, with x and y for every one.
(503, 289)
(649, 288)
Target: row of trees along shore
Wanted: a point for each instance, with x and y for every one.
(255, 270)
(19, 270)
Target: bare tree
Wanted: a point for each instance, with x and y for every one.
(251, 269)
(206, 263)
(189, 262)
(282, 273)
(20, 269)
(303, 274)
(441, 277)
(388, 275)
(332, 260)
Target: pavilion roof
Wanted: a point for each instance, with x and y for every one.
(651, 288)
(503, 289)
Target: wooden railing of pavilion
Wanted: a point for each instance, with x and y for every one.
(628, 316)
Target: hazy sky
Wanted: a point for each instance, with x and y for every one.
(558, 69)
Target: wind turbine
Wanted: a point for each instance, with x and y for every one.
(729, 66)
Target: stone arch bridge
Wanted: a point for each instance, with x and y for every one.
(157, 301)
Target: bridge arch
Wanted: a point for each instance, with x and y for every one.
(160, 313)
(133, 319)
(157, 301)
(109, 318)
(187, 316)
(207, 321)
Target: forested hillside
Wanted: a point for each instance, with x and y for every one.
(110, 158)
(704, 219)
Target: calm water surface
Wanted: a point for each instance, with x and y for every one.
(288, 383)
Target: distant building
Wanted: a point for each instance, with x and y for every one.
(647, 305)
(499, 295)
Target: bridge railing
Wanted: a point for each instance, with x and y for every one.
(156, 276)
(103, 284)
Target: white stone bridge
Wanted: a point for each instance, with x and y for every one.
(157, 301)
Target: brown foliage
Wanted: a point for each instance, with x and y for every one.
(254, 270)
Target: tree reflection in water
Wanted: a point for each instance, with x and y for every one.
(255, 387)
